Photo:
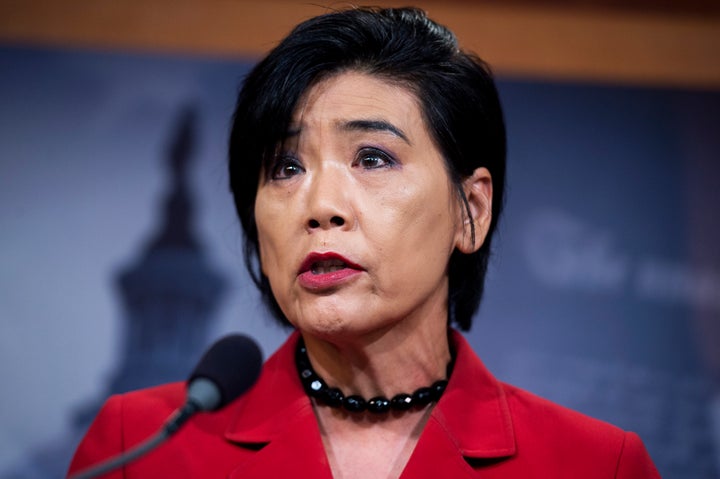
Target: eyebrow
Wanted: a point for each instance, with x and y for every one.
(374, 125)
(292, 132)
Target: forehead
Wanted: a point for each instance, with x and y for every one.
(352, 96)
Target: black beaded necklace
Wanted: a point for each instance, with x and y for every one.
(316, 387)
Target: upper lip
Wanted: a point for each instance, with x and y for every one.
(315, 257)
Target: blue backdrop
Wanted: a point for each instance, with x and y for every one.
(603, 294)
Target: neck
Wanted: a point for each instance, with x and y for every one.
(399, 360)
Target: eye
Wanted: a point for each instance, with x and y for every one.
(373, 158)
(285, 167)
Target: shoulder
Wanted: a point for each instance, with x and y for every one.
(140, 414)
(142, 411)
(492, 419)
(137, 414)
(535, 415)
(534, 420)
(156, 400)
(545, 429)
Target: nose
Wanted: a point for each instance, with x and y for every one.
(328, 204)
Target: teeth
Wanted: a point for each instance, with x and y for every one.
(322, 267)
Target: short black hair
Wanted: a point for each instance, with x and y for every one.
(457, 96)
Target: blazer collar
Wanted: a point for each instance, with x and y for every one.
(472, 418)
(276, 399)
(474, 410)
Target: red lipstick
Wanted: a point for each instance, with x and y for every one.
(326, 270)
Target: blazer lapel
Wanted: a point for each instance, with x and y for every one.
(275, 421)
(471, 423)
(296, 451)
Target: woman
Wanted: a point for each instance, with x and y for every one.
(367, 163)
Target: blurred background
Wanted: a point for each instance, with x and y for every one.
(120, 254)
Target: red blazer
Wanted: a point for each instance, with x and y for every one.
(480, 428)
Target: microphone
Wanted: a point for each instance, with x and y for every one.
(228, 369)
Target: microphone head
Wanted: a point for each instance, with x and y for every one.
(226, 370)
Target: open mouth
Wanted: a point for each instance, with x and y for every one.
(325, 263)
(327, 266)
(326, 271)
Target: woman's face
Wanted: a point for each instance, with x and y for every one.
(357, 217)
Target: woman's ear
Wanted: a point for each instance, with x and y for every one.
(478, 191)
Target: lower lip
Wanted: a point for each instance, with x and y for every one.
(326, 280)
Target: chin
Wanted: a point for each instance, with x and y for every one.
(320, 315)
(325, 326)
(333, 327)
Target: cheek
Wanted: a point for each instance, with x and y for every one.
(268, 220)
(418, 227)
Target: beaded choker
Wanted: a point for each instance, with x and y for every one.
(316, 387)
